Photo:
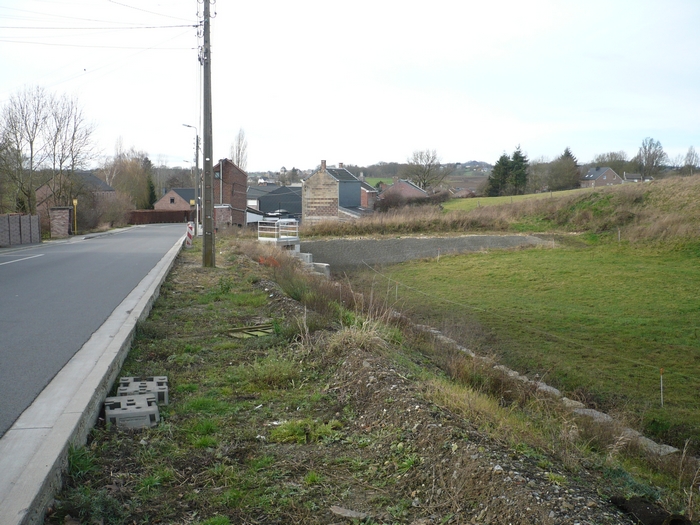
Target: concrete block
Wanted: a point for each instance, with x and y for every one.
(304, 257)
(139, 411)
(323, 268)
(156, 385)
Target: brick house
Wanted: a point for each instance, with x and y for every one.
(368, 195)
(635, 177)
(230, 187)
(330, 194)
(600, 176)
(177, 199)
(403, 189)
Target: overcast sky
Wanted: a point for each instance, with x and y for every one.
(367, 81)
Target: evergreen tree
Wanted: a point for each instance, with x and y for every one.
(151, 192)
(498, 180)
(568, 155)
(518, 173)
(564, 173)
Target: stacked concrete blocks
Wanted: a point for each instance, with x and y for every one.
(136, 403)
(157, 385)
(139, 411)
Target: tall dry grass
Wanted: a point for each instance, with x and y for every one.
(662, 210)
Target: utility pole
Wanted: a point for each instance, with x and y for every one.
(208, 250)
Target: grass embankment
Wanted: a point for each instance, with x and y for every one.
(336, 406)
(599, 317)
(598, 322)
(477, 202)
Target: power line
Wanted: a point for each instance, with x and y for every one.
(118, 28)
(91, 46)
(144, 10)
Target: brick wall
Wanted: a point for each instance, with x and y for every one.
(232, 188)
(61, 222)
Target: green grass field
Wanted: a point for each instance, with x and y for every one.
(470, 204)
(601, 320)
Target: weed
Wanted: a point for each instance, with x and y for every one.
(81, 462)
(204, 427)
(93, 506)
(225, 285)
(204, 442)
(557, 479)
(149, 484)
(217, 520)
(312, 478)
(304, 431)
(204, 405)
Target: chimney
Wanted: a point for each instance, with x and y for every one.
(323, 165)
(340, 165)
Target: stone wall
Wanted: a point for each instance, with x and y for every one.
(319, 198)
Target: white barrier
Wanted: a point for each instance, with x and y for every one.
(190, 234)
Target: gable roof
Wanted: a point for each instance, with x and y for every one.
(415, 186)
(596, 172)
(187, 194)
(342, 175)
(91, 181)
(283, 197)
(368, 187)
(257, 191)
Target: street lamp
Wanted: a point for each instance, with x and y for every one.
(196, 178)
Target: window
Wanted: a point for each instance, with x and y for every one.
(172, 200)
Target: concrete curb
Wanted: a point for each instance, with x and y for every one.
(34, 452)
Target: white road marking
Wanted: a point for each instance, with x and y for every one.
(23, 259)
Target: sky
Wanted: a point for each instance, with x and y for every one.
(366, 81)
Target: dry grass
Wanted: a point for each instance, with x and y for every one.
(658, 211)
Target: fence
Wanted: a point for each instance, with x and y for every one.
(276, 231)
(160, 216)
(19, 229)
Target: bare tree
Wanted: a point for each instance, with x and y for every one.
(651, 157)
(618, 161)
(67, 137)
(424, 169)
(239, 150)
(46, 138)
(24, 118)
(129, 172)
(692, 160)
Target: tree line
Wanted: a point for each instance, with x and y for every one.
(46, 142)
(515, 174)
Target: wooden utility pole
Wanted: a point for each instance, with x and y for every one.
(208, 249)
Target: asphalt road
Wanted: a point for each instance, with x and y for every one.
(53, 296)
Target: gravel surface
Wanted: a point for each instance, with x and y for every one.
(343, 254)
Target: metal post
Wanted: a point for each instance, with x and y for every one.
(196, 178)
(208, 249)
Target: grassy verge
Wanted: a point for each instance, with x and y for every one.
(341, 405)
